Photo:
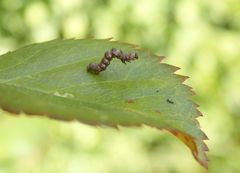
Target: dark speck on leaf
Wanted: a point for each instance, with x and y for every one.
(170, 101)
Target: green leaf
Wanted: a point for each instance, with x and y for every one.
(50, 79)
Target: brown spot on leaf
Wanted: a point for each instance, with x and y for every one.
(174, 133)
(130, 101)
(188, 140)
(192, 144)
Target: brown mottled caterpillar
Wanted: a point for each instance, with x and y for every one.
(108, 56)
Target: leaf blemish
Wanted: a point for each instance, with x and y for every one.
(130, 101)
(65, 95)
(170, 101)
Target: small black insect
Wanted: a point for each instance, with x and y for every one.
(170, 101)
(108, 56)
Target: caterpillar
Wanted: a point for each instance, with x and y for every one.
(108, 56)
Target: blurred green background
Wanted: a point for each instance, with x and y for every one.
(201, 36)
